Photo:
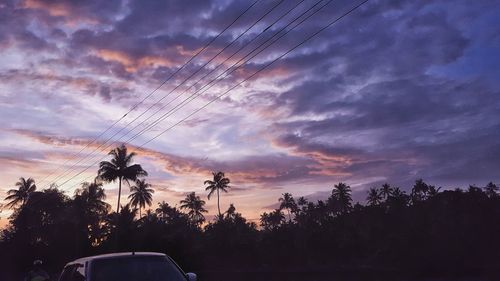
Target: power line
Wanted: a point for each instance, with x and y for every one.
(226, 73)
(157, 88)
(182, 104)
(217, 67)
(157, 102)
(253, 75)
(258, 71)
(68, 171)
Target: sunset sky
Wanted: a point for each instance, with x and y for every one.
(395, 91)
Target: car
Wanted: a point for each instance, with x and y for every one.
(131, 266)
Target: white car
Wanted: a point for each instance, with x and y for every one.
(133, 266)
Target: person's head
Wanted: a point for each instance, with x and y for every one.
(37, 264)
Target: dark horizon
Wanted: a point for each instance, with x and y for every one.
(426, 234)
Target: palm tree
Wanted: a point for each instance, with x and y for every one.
(219, 182)
(419, 191)
(25, 187)
(90, 198)
(386, 191)
(91, 209)
(121, 226)
(433, 191)
(93, 195)
(164, 210)
(491, 190)
(273, 220)
(374, 197)
(287, 202)
(302, 201)
(398, 199)
(142, 195)
(341, 194)
(168, 214)
(119, 168)
(195, 205)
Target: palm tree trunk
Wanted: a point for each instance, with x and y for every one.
(289, 216)
(140, 215)
(218, 205)
(119, 194)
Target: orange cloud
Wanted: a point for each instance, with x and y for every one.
(59, 9)
(132, 64)
(256, 170)
(51, 140)
(56, 9)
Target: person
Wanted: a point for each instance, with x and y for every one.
(37, 273)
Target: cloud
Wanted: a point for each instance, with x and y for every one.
(256, 169)
(73, 12)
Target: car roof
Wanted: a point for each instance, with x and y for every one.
(115, 255)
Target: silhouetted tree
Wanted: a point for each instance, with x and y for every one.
(491, 190)
(225, 237)
(231, 212)
(433, 191)
(437, 232)
(25, 187)
(196, 207)
(164, 210)
(273, 220)
(120, 168)
(398, 199)
(93, 195)
(121, 228)
(302, 201)
(386, 191)
(287, 202)
(374, 197)
(341, 194)
(141, 194)
(421, 190)
(90, 210)
(169, 214)
(219, 183)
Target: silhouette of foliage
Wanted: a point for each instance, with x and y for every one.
(141, 195)
(120, 168)
(374, 197)
(427, 231)
(25, 187)
(219, 183)
(340, 201)
(195, 207)
(287, 202)
(90, 210)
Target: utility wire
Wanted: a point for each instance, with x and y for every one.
(183, 103)
(232, 68)
(156, 89)
(254, 74)
(175, 88)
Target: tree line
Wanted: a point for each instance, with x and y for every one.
(427, 230)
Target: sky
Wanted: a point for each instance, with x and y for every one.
(393, 92)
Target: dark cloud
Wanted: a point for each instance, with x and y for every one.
(376, 103)
(151, 16)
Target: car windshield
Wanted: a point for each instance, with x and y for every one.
(136, 268)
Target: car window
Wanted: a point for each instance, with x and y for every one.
(138, 268)
(79, 273)
(74, 272)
